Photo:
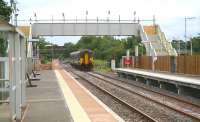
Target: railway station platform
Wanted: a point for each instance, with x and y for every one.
(181, 84)
(58, 97)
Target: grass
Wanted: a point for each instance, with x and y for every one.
(101, 66)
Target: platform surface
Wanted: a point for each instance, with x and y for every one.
(184, 80)
(58, 97)
(45, 103)
(4, 112)
(94, 109)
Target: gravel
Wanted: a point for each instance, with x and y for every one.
(156, 111)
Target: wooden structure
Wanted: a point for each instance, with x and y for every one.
(174, 64)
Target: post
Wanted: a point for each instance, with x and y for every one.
(185, 33)
(179, 47)
(136, 50)
(18, 79)
(113, 64)
(191, 47)
(188, 18)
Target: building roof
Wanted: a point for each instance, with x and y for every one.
(7, 27)
(150, 30)
(25, 30)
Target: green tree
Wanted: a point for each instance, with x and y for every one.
(68, 48)
(179, 45)
(3, 47)
(45, 50)
(195, 44)
(5, 11)
(133, 41)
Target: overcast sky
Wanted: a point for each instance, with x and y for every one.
(169, 13)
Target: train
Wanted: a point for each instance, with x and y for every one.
(82, 59)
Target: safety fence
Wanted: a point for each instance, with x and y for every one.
(173, 64)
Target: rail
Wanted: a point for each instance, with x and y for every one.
(192, 115)
(118, 99)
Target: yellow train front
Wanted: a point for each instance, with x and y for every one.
(82, 59)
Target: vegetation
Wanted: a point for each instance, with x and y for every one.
(5, 11)
(185, 47)
(3, 47)
(101, 65)
(104, 47)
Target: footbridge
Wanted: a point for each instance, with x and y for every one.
(85, 29)
(153, 38)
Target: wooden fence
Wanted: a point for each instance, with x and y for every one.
(179, 64)
(144, 62)
(188, 64)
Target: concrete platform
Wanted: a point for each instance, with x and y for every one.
(181, 84)
(172, 78)
(58, 97)
(4, 113)
(45, 103)
(92, 108)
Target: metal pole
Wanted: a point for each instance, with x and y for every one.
(185, 33)
(86, 16)
(189, 18)
(179, 47)
(191, 47)
(134, 16)
(52, 51)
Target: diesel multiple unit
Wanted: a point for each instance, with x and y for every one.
(82, 59)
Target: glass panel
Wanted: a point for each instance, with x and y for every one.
(3, 45)
(4, 79)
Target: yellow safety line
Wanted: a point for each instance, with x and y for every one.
(116, 116)
(77, 112)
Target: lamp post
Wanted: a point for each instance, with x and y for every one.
(63, 15)
(86, 15)
(134, 13)
(186, 19)
(108, 16)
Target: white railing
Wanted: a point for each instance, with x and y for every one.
(167, 45)
(149, 48)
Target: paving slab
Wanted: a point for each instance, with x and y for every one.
(45, 103)
(4, 113)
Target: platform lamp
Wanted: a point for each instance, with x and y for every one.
(86, 14)
(63, 15)
(134, 13)
(108, 15)
(35, 16)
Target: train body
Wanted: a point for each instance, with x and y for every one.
(82, 59)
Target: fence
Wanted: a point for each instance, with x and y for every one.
(179, 64)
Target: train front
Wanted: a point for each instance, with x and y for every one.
(86, 60)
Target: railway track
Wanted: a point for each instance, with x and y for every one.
(116, 82)
(184, 107)
(197, 104)
(143, 116)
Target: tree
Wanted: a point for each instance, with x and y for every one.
(3, 47)
(69, 47)
(195, 44)
(5, 11)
